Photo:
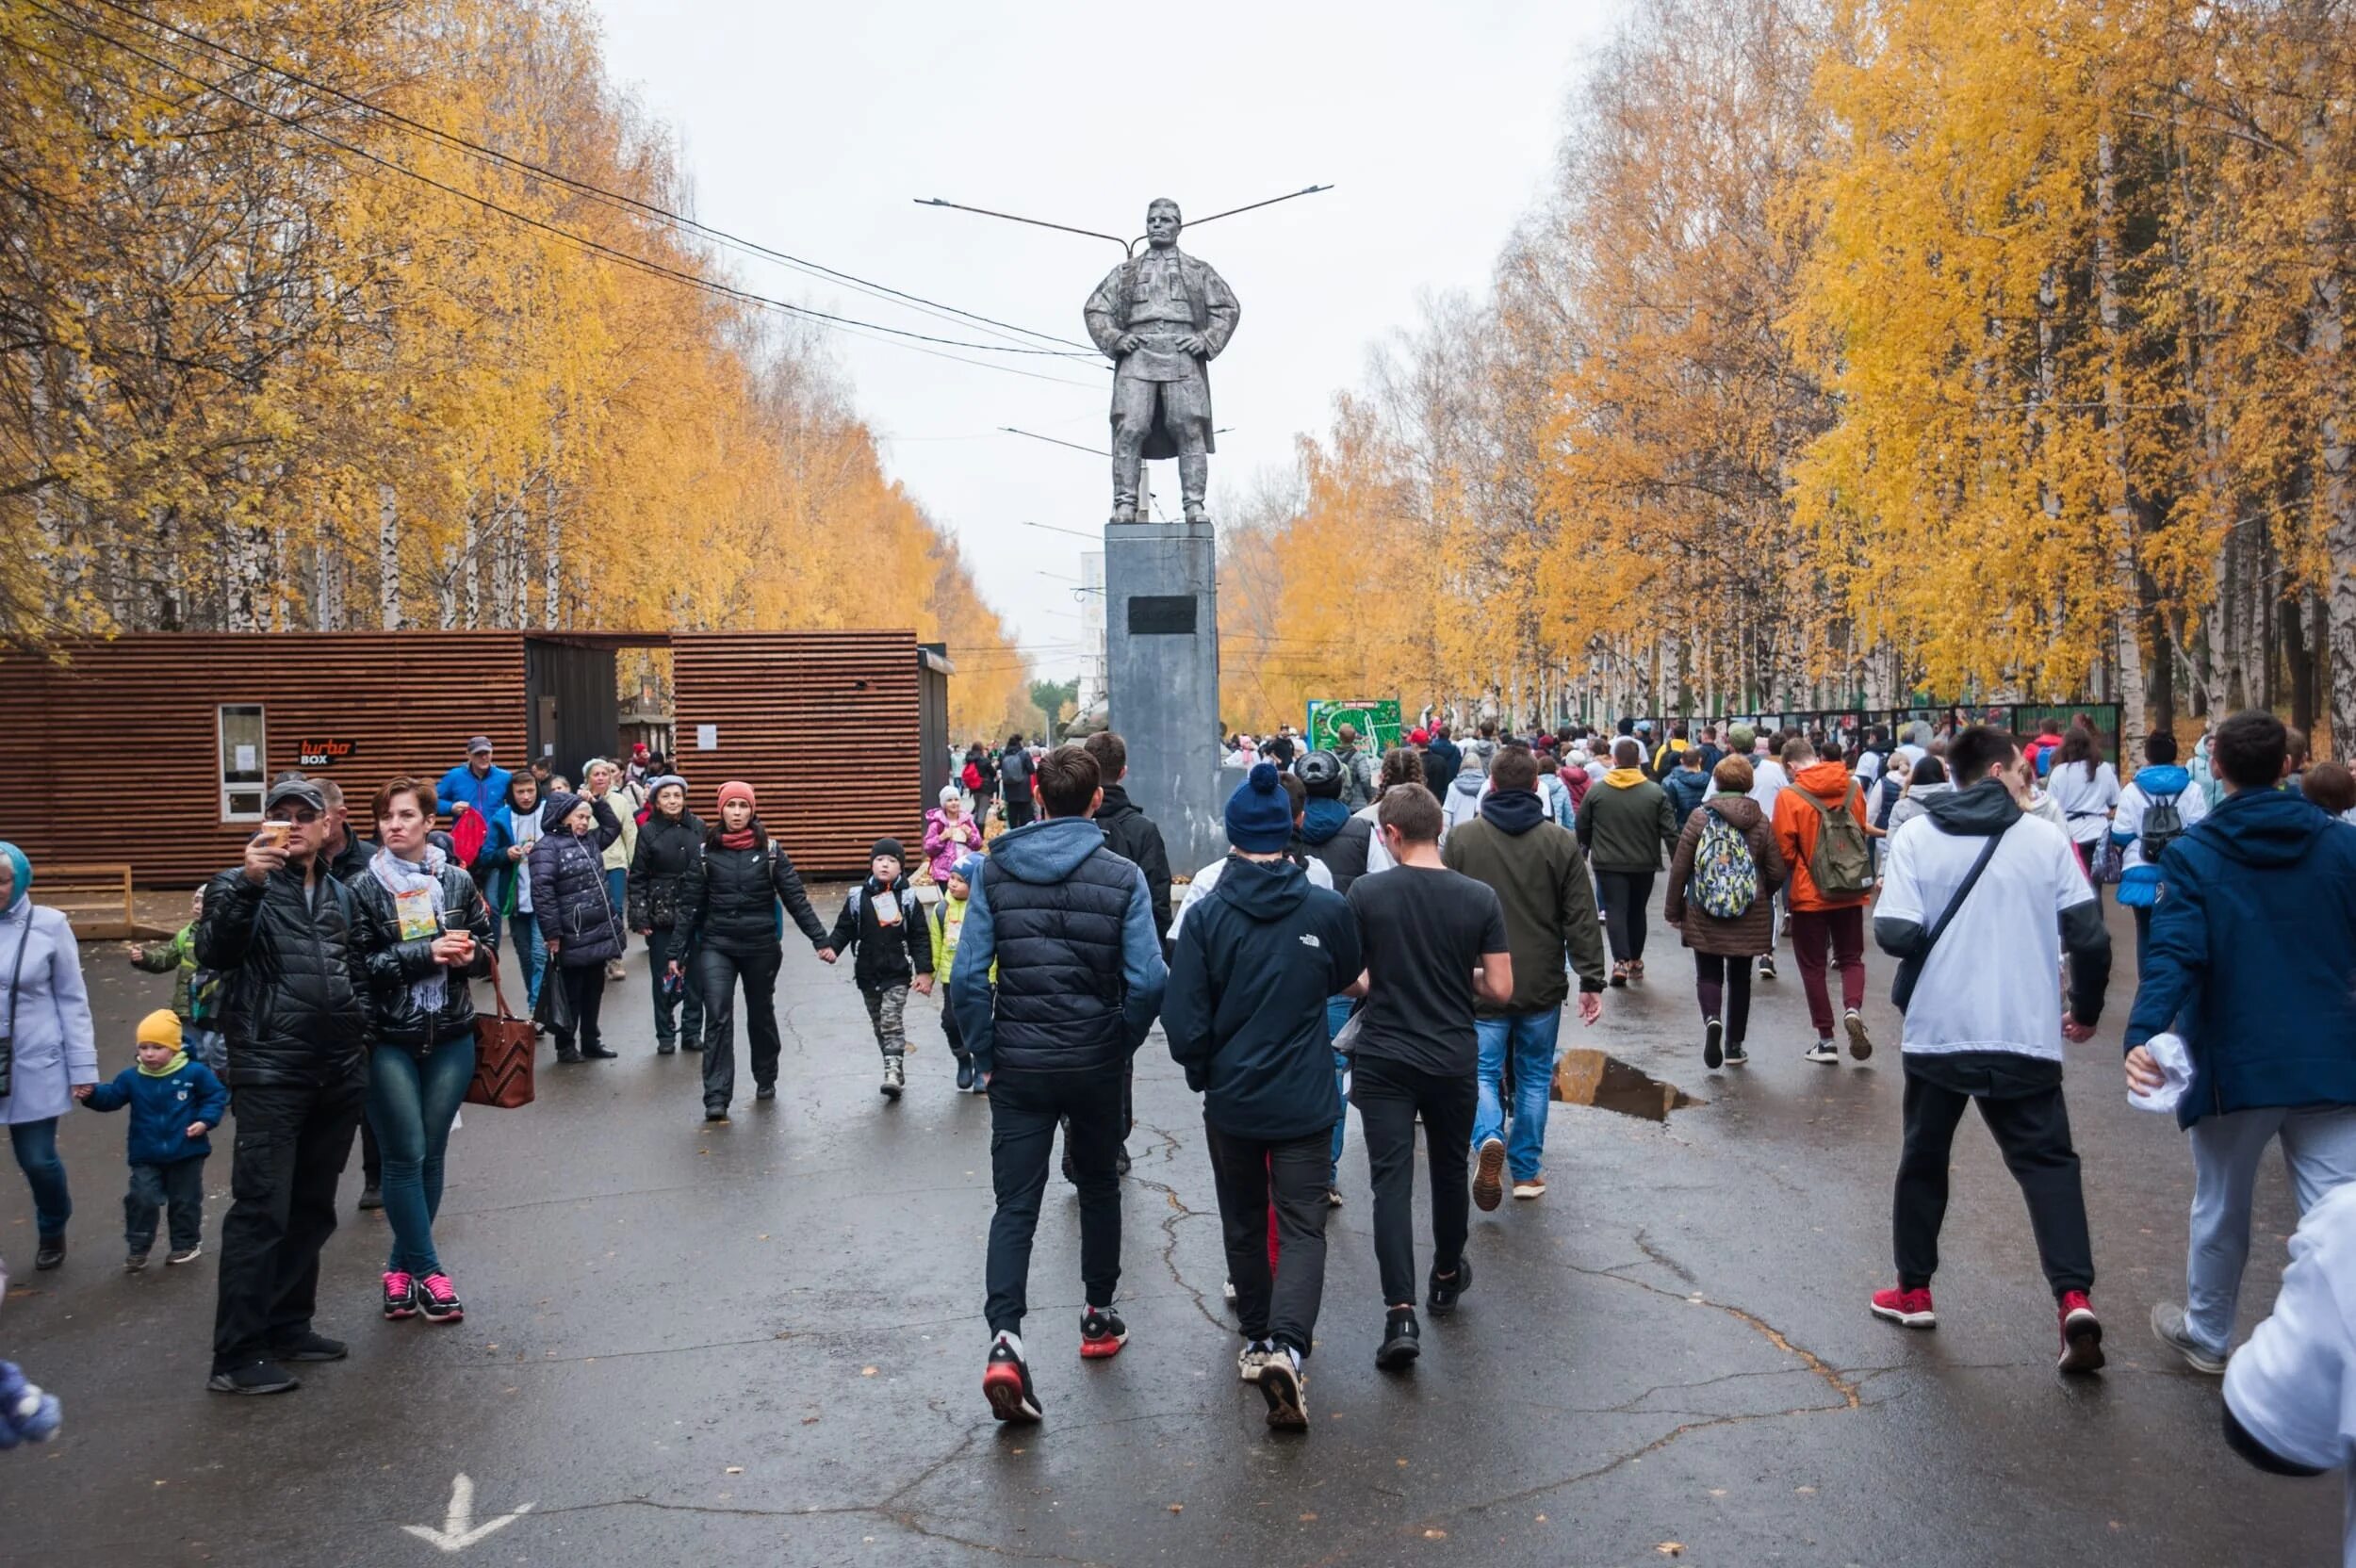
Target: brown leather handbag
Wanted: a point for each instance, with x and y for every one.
(503, 1049)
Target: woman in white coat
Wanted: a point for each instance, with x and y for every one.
(49, 1047)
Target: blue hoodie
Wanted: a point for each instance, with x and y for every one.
(1043, 853)
(162, 1109)
(2253, 956)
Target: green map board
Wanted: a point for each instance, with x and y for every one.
(1377, 722)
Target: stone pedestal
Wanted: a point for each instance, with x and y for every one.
(1161, 647)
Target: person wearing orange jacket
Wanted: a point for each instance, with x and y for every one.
(1822, 830)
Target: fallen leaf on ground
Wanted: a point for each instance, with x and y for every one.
(1671, 1548)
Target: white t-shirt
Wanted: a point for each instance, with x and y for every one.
(1768, 780)
(2191, 805)
(2085, 799)
(1991, 984)
(2292, 1387)
(1869, 767)
(1207, 878)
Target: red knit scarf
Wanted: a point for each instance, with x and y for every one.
(740, 839)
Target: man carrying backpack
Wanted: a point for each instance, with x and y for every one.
(2155, 808)
(1822, 832)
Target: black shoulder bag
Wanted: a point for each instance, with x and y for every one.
(7, 1031)
(1910, 966)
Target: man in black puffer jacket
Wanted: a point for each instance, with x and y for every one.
(281, 931)
(1131, 834)
(1080, 974)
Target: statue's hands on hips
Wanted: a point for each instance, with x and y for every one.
(1128, 342)
(1193, 344)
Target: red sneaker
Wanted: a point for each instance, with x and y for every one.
(1102, 1333)
(2081, 1334)
(1910, 1309)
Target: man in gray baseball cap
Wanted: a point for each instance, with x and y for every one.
(474, 785)
(283, 935)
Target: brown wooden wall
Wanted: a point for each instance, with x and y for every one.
(114, 754)
(822, 724)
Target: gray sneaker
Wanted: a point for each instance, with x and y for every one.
(2167, 1322)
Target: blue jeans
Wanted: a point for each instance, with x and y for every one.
(410, 1104)
(525, 931)
(36, 1146)
(1336, 1014)
(1533, 1037)
(2318, 1146)
(618, 893)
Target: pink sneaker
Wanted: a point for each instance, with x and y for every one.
(438, 1299)
(1910, 1309)
(400, 1296)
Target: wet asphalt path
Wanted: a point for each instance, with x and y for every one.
(761, 1343)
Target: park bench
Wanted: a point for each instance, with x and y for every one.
(94, 898)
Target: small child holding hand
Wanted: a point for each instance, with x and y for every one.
(175, 1101)
(884, 924)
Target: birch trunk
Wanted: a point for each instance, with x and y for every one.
(388, 558)
(2126, 580)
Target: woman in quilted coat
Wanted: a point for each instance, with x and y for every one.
(575, 914)
(1708, 872)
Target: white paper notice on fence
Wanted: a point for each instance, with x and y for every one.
(707, 737)
(245, 759)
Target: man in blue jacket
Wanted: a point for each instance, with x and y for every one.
(1080, 977)
(2252, 960)
(474, 785)
(1246, 1018)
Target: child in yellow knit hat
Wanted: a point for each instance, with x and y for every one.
(175, 1101)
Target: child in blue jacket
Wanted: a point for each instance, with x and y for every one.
(176, 1100)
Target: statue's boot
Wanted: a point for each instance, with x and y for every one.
(1194, 478)
(1125, 476)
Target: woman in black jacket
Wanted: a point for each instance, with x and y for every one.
(670, 844)
(729, 916)
(424, 932)
(575, 914)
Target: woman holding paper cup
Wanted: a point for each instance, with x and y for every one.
(424, 933)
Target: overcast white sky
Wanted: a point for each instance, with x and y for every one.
(811, 127)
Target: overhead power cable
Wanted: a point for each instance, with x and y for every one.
(657, 268)
(623, 199)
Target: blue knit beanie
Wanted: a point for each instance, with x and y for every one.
(1260, 813)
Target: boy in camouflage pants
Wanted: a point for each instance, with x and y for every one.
(884, 928)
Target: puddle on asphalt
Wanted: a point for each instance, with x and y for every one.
(1596, 1078)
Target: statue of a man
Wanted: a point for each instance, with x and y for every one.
(1161, 317)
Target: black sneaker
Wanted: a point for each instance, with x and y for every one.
(1285, 1387)
(254, 1376)
(715, 1113)
(764, 1091)
(133, 1262)
(1737, 1056)
(692, 1046)
(597, 1052)
(1007, 1384)
(1120, 1162)
(965, 1072)
(1713, 1042)
(1102, 1333)
(1402, 1340)
(1766, 966)
(566, 1054)
(664, 1048)
(1821, 1053)
(49, 1252)
(310, 1346)
(1441, 1294)
(184, 1255)
(371, 1196)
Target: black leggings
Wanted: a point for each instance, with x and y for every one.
(1725, 983)
(1624, 895)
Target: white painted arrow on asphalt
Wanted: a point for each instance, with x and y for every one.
(459, 1530)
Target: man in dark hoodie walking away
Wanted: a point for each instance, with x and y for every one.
(2252, 960)
(1979, 902)
(1539, 873)
(1070, 926)
(1244, 1015)
(1441, 761)
(1329, 829)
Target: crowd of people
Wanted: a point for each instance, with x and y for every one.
(1363, 943)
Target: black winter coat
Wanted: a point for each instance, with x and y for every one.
(1131, 834)
(568, 896)
(886, 956)
(294, 985)
(729, 900)
(394, 964)
(667, 855)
